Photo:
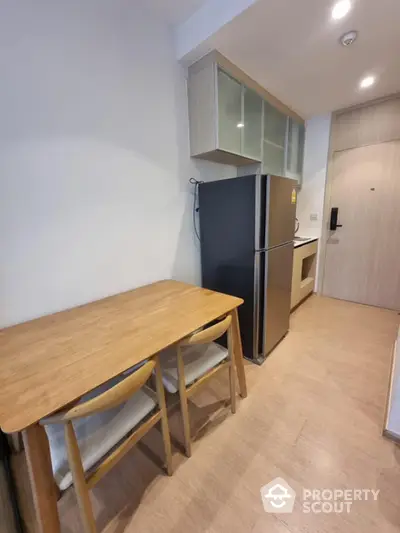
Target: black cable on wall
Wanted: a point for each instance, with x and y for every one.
(196, 184)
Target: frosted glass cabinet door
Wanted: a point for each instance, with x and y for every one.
(274, 125)
(252, 120)
(229, 113)
(300, 154)
(273, 159)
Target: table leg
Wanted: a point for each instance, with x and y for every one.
(238, 351)
(41, 478)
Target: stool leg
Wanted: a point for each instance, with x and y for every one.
(232, 373)
(184, 403)
(78, 475)
(164, 417)
(37, 449)
(238, 354)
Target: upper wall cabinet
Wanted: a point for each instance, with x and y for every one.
(225, 117)
(234, 120)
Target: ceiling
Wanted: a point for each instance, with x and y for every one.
(291, 48)
(173, 11)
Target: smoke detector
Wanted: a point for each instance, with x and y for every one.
(348, 38)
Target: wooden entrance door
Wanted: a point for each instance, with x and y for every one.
(362, 261)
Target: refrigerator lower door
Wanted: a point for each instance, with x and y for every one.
(278, 288)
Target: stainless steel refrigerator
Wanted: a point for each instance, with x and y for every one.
(246, 234)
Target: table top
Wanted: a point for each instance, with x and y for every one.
(51, 361)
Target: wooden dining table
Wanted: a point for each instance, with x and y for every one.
(49, 362)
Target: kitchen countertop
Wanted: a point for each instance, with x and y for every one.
(302, 243)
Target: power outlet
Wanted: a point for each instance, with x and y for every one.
(314, 216)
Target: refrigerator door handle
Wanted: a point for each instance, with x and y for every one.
(262, 250)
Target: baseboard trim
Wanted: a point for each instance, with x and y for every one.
(302, 301)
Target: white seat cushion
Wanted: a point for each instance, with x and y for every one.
(97, 434)
(198, 360)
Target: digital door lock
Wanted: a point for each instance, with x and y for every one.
(334, 219)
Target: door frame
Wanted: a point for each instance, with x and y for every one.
(325, 231)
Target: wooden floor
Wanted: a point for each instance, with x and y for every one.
(313, 416)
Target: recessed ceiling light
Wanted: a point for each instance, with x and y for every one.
(240, 125)
(340, 9)
(367, 82)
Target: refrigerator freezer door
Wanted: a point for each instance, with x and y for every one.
(278, 288)
(281, 210)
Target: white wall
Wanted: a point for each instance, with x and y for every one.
(311, 196)
(94, 156)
